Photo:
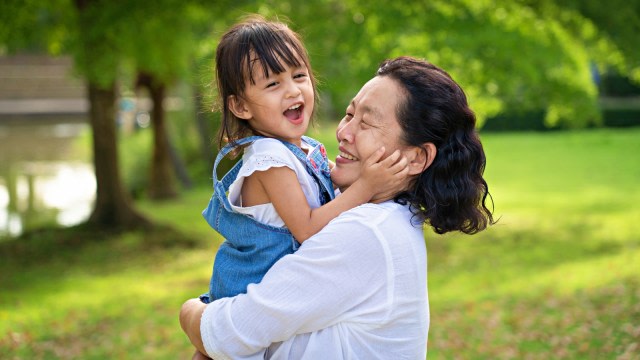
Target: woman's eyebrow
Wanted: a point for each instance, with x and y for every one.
(373, 111)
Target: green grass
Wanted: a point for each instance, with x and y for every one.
(557, 278)
(559, 275)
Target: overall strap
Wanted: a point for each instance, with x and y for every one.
(221, 187)
(311, 141)
(227, 149)
(325, 193)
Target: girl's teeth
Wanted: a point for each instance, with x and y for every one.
(294, 107)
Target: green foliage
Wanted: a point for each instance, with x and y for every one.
(135, 154)
(555, 278)
(509, 56)
(34, 25)
(610, 29)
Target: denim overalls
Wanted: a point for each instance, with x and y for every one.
(250, 247)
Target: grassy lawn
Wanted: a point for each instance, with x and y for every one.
(557, 278)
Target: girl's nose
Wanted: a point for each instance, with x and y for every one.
(292, 89)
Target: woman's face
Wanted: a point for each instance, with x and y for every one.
(370, 123)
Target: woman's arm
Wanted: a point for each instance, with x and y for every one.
(327, 281)
(190, 315)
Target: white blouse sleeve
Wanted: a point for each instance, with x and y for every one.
(264, 154)
(336, 275)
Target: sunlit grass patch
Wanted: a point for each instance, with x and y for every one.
(106, 299)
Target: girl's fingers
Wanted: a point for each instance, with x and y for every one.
(375, 157)
(400, 165)
(391, 159)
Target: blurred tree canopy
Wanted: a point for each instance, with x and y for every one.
(508, 55)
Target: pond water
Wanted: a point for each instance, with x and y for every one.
(43, 179)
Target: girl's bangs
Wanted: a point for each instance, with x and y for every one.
(273, 56)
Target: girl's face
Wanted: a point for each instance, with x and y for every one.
(277, 105)
(370, 123)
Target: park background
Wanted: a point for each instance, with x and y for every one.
(118, 94)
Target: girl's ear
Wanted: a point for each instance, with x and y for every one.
(238, 107)
(421, 157)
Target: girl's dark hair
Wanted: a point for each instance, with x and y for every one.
(451, 193)
(254, 39)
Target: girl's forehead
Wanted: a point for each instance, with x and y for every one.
(263, 66)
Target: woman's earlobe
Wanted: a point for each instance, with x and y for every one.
(238, 108)
(423, 157)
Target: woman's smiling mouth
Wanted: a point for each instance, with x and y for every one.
(347, 156)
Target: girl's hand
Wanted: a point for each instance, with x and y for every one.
(387, 177)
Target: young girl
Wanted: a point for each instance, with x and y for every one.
(280, 193)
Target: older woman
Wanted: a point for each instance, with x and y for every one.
(357, 289)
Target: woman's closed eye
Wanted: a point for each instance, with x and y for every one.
(364, 124)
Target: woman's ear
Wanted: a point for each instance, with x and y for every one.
(238, 107)
(421, 157)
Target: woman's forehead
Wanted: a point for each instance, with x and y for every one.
(379, 97)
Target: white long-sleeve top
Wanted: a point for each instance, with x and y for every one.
(355, 290)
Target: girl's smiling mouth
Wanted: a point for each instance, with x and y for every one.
(294, 113)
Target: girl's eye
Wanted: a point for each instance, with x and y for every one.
(298, 76)
(271, 84)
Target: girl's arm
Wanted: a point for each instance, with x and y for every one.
(281, 186)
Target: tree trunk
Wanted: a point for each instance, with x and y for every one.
(113, 207)
(179, 167)
(162, 177)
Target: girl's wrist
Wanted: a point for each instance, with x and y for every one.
(362, 190)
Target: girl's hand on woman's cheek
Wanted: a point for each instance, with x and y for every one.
(386, 177)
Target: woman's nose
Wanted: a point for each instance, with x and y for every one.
(344, 132)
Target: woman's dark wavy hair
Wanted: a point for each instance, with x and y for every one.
(451, 193)
(270, 43)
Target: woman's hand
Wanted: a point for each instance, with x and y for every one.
(190, 315)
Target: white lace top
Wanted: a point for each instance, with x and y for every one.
(261, 155)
